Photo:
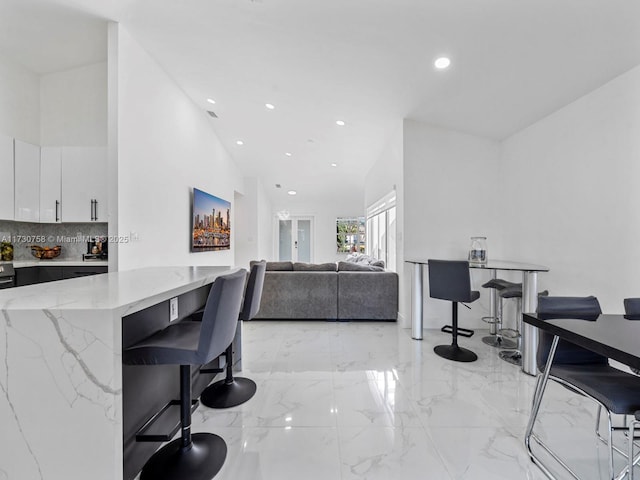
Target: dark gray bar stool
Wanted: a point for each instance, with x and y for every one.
(233, 391)
(514, 357)
(495, 339)
(199, 456)
(450, 280)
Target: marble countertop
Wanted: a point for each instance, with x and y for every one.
(65, 338)
(60, 263)
(125, 292)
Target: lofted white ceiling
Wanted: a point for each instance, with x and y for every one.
(367, 62)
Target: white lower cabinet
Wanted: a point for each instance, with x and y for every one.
(50, 185)
(6, 178)
(27, 181)
(84, 184)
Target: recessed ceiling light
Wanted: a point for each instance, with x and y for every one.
(340, 122)
(270, 106)
(442, 63)
(334, 164)
(288, 154)
(211, 101)
(239, 142)
(292, 192)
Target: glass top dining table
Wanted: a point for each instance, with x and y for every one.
(529, 301)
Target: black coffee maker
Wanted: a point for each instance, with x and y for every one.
(97, 249)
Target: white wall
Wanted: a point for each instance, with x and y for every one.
(451, 191)
(73, 107)
(385, 176)
(325, 215)
(253, 224)
(572, 185)
(166, 146)
(19, 102)
(264, 224)
(245, 246)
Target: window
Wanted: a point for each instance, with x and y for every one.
(381, 230)
(350, 234)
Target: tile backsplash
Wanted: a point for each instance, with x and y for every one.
(72, 237)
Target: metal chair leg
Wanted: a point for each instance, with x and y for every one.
(632, 427)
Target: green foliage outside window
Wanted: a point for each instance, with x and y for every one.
(350, 234)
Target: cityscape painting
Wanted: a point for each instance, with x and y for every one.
(211, 223)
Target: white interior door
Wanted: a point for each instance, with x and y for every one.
(295, 239)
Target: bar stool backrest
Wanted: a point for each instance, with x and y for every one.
(450, 280)
(253, 292)
(567, 353)
(220, 317)
(632, 308)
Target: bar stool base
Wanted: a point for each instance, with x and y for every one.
(499, 342)
(227, 395)
(512, 357)
(455, 353)
(201, 462)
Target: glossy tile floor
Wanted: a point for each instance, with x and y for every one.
(359, 400)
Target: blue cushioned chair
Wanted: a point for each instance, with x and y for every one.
(581, 371)
(450, 280)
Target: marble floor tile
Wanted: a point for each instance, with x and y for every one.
(485, 453)
(372, 397)
(309, 453)
(279, 403)
(389, 453)
(362, 400)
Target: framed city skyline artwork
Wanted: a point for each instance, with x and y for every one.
(210, 222)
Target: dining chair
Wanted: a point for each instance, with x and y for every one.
(583, 372)
(450, 280)
(632, 308)
(632, 312)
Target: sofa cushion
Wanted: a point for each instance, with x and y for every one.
(356, 267)
(299, 295)
(362, 296)
(279, 266)
(314, 267)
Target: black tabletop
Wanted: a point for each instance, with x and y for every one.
(613, 336)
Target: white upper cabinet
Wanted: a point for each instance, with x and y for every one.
(6, 178)
(27, 181)
(84, 184)
(50, 184)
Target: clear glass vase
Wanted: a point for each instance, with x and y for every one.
(478, 250)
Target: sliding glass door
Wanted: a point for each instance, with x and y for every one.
(381, 230)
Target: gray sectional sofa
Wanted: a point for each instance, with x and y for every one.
(328, 291)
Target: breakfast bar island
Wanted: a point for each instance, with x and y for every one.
(68, 408)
